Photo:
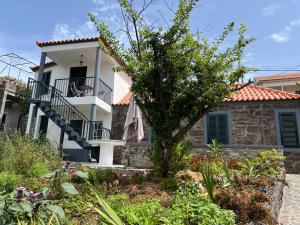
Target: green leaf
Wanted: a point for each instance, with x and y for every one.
(49, 175)
(82, 175)
(46, 191)
(57, 210)
(69, 188)
(26, 206)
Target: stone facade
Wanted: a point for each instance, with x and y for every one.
(253, 123)
(253, 129)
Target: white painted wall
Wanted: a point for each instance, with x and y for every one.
(122, 84)
(119, 82)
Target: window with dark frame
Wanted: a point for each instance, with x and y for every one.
(288, 129)
(217, 128)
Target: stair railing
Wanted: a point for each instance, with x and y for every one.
(38, 91)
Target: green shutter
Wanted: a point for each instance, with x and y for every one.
(217, 128)
(288, 130)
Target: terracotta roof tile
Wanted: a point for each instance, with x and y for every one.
(249, 93)
(259, 93)
(288, 76)
(67, 41)
(47, 65)
(125, 100)
(80, 40)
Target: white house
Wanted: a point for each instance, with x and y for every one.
(72, 96)
(284, 82)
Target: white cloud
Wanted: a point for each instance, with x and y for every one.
(295, 22)
(65, 31)
(284, 35)
(105, 11)
(270, 9)
(280, 37)
(62, 31)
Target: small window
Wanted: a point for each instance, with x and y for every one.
(289, 130)
(217, 128)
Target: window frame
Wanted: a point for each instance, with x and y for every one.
(277, 124)
(229, 125)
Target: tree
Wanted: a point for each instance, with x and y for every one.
(178, 76)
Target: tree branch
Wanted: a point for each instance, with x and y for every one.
(187, 127)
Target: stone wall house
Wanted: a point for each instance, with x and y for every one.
(252, 120)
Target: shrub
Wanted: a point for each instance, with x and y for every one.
(180, 157)
(29, 208)
(147, 213)
(248, 204)
(37, 170)
(196, 209)
(267, 163)
(138, 177)
(170, 184)
(214, 148)
(102, 175)
(9, 181)
(19, 152)
(209, 180)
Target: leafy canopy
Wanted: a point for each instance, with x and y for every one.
(177, 75)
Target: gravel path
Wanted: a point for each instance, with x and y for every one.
(290, 210)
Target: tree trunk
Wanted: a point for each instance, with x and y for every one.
(166, 160)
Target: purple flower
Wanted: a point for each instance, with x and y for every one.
(20, 192)
(34, 196)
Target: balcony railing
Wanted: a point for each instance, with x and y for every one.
(83, 86)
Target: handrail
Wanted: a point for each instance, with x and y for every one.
(106, 85)
(84, 86)
(57, 92)
(67, 111)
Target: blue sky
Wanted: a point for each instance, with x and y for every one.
(275, 24)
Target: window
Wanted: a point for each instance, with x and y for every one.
(288, 129)
(217, 128)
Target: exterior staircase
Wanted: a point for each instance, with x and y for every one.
(65, 115)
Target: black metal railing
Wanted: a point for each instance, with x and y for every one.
(38, 91)
(83, 86)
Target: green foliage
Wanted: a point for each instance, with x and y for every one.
(98, 176)
(187, 207)
(155, 153)
(75, 207)
(170, 184)
(9, 181)
(177, 75)
(19, 153)
(209, 180)
(105, 211)
(21, 92)
(37, 170)
(181, 155)
(15, 210)
(227, 175)
(58, 187)
(214, 148)
(197, 209)
(267, 163)
(142, 213)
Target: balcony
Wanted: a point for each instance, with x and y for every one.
(83, 86)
